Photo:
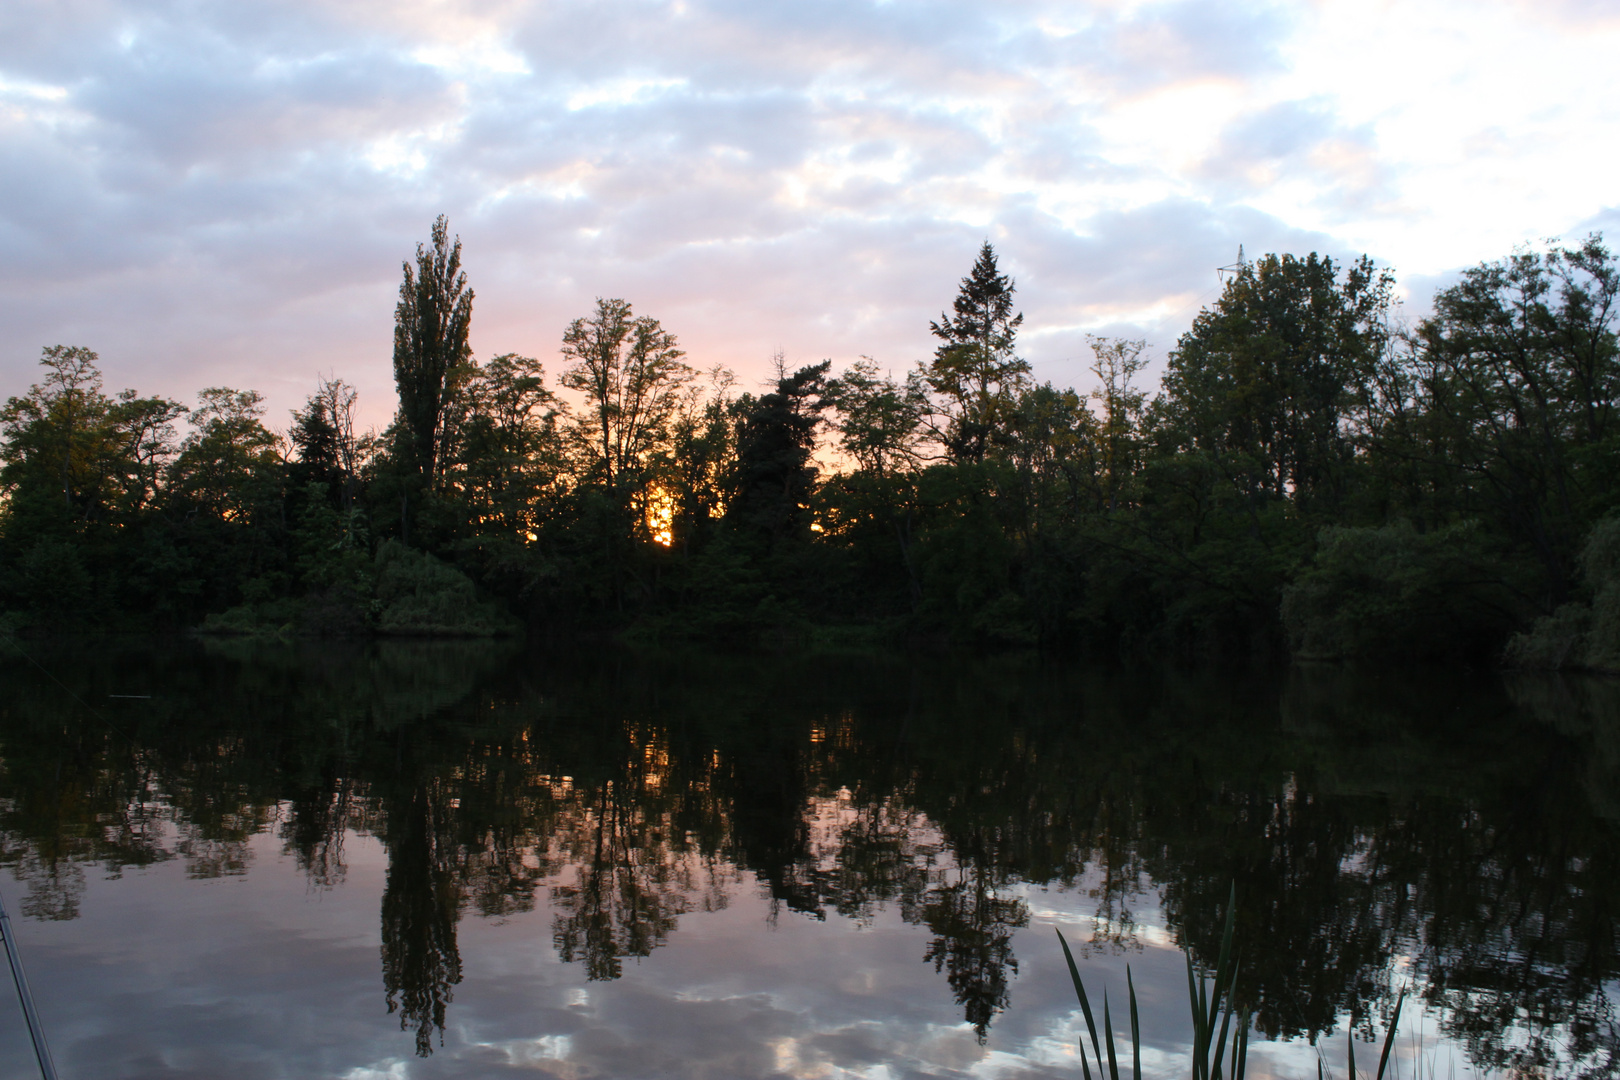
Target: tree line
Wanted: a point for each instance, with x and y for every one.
(1310, 474)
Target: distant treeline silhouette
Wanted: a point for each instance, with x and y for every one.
(1309, 475)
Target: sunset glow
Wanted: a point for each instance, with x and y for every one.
(221, 195)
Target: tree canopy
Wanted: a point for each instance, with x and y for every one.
(1309, 474)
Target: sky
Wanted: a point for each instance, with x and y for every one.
(223, 193)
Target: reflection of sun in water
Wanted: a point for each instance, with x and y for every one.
(661, 515)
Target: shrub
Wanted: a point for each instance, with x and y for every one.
(419, 595)
(1396, 591)
(1580, 635)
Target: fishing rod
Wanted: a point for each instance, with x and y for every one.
(47, 1069)
(36, 1031)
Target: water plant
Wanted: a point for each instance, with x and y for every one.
(1213, 1002)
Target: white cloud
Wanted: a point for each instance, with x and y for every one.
(221, 193)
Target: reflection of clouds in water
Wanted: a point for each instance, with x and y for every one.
(834, 885)
(807, 999)
(392, 1070)
(846, 1007)
(816, 999)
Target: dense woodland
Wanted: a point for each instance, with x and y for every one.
(1310, 475)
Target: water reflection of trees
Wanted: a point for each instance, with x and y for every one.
(421, 904)
(630, 874)
(1443, 823)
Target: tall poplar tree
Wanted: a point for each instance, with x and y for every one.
(431, 353)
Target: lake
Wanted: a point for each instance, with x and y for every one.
(397, 859)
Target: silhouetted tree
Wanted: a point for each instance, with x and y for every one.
(1270, 384)
(776, 438)
(431, 322)
(975, 368)
(629, 369)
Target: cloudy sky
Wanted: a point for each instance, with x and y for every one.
(222, 193)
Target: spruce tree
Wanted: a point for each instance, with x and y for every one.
(975, 367)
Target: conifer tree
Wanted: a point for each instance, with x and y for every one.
(776, 443)
(975, 368)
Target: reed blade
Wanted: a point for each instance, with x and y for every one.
(1108, 1024)
(1389, 1036)
(1197, 1020)
(1221, 970)
(1085, 1006)
(1136, 1029)
(1192, 995)
(1206, 1017)
(1226, 1019)
(1220, 1044)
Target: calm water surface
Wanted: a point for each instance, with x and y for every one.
(423, 860)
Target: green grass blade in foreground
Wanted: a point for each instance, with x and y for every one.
(1136, 1029)
(1085, 1007)
(1220, 1044)
(1194, 997)
(1222, 969)
(1226, 1024)
(1210, 1000)
(1389, 1036)
(1108, 1025)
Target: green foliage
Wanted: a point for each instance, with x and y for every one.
(507, 457)
(329, 451)
(1268, 382)
(417, 595)
(256, 618)
(966, 561)
(230, 468)
(1306, 479)
(718, 594)
(1392, 591)
(1555, 642)
(1508, 398)
(1117, 440)
(775, 477)
(878, 420)
(629, 370)
(1580, 635)
(975, 370)
(695, 472)
(73, 458)
(53, 581)
(1213, 1000)
(431, 323)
